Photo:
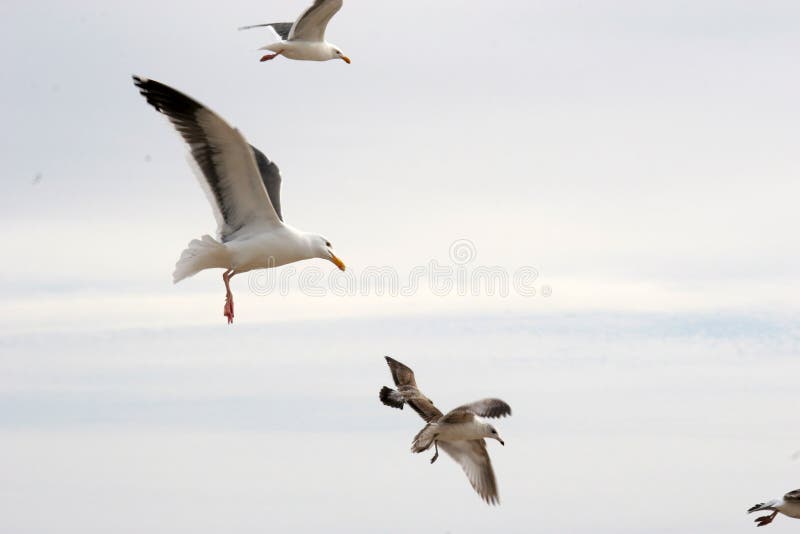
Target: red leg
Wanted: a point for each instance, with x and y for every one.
(766, 519)
(271, 56)
(228, 309)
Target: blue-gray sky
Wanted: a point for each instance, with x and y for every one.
(640, 155)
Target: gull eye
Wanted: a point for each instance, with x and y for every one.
(327, 243)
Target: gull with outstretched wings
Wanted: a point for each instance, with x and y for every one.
(243, 187)
(460, 432)
(304, 39)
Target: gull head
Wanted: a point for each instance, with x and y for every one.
(336, 53)
(322, 248)
(491, 432)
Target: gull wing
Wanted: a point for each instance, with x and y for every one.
(481, 408)
(271, 176)
(474, 460)
(282, 29)
(487, 408)
(407, 392)
(227, 165)
(310, 26)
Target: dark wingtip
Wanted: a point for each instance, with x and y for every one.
(139, 82)
(386, 398)
(166, 99)
(500, 409)
(491, 500)
(391, 361)
(145, 86)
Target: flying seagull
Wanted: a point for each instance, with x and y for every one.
(789, 505)
(243, 187)
(459, 432)
(305, 38)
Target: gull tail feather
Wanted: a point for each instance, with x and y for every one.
(391, 397)
(424, 439)
(762, 506)
(203, 253)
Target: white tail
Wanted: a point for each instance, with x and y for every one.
(203, 253)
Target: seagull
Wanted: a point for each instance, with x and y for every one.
(305, 38)
(243, 187)
(459, 432)
(789, 505)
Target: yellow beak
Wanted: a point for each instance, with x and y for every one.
(337, 262)
(346, 60)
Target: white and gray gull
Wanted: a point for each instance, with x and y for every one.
(243, 187)
(304, 39)
(459, 432)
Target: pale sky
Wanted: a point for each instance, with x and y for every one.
(641, 156)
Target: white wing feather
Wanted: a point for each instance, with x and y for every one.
(474, 460)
